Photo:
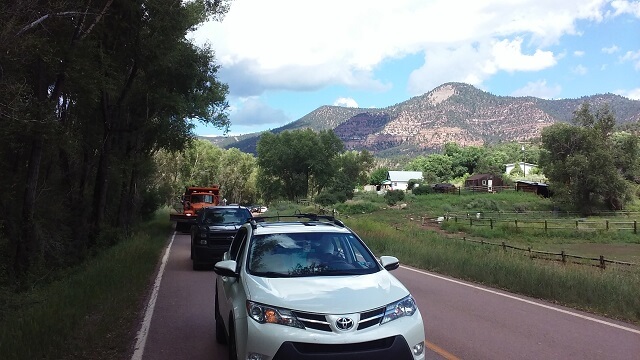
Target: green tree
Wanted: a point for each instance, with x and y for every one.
(302, 161)
(435, 167)
(464, 159)
(89, 91)
(378, 175)
(579, 161)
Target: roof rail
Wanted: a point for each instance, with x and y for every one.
(310, 216)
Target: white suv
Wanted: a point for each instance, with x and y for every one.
(311, 289)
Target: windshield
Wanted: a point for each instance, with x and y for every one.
(202, 198)
(226, 217)
(309, 254)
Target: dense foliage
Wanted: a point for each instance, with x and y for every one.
(202, 164)
(588, 165)
(300, 163)
(88, 92)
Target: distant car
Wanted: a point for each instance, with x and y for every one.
(311, 289)
(213, 231)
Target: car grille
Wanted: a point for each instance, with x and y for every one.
(319, 321)
(217, 238)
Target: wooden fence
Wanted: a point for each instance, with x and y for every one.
(551, 224)
(562, 256)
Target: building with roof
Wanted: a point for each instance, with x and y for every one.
(399, 180)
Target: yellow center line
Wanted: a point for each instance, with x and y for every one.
(440, 351)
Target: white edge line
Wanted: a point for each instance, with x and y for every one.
(141, 336)
(527, 301)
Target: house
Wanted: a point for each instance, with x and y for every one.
(524, 166)
(537, 188)
(483, 182)
(399, 180)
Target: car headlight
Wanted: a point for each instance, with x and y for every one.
(398, 309)
(265, 314)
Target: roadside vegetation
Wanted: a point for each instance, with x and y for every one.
(91, 311)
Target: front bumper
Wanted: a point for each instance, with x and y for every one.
(393, 340)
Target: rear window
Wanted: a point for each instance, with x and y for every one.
(309, 254)
(226, 216)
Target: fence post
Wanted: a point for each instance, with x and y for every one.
(516, 220)
(504, 246)
(635, 226)
(545, 226)
(564, 256)
(607, 225)
(576, 224)
(602, 263)
(529, 248)
(470, 221)
(491, 223)
(455, 219)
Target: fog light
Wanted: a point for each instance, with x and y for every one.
(418, 348)
(256, 356)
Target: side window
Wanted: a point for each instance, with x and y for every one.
(484, 182)
(237, 244)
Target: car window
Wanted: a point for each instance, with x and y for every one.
(226, 216)
(309, 254)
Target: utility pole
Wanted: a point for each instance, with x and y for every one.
(524, 162)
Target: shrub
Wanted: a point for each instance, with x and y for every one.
(422, 190)
(392, 197)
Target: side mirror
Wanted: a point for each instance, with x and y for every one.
(389, 262)
(226, 268)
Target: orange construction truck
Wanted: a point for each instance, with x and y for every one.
(194, 199)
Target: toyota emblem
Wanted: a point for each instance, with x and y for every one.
(344, 323)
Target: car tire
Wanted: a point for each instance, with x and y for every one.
(221, 335)
(233, 350)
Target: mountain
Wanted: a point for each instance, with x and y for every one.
(452, 112)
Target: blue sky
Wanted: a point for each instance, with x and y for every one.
(283, 59)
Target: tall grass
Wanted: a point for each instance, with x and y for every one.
(611, 293)
(87, 314)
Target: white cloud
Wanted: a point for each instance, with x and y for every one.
(611, 49)
(474, 64)
(632, 56)
(626, 7)
(539, 89)
(252, 111)
(634, 94)
(289, 44)
(578, 53)
(346, 102)
(580, 70)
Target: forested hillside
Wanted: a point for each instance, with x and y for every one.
(452, 112)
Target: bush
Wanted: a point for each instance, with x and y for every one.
(422, 190)
(393, 197)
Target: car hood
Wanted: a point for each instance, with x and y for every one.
(327, 294)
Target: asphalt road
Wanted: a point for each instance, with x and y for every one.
(462, 320)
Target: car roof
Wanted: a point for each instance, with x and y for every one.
(297, 227)
(305, 223)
